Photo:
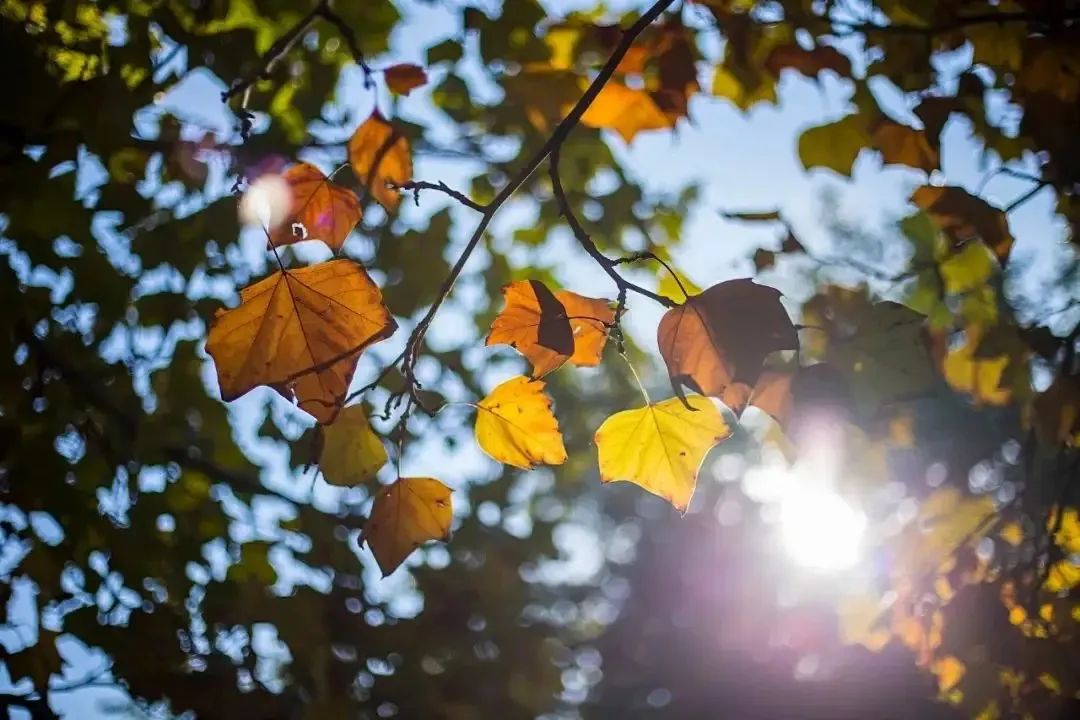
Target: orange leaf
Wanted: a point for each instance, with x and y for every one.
(625, 111)
(379, 155)
(300, 332)
(903, 145)
(590, 319)
(319, 209)
(404, 77)
(408, 513)
(716, 342)
(535, 323)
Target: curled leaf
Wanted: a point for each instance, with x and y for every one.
(661, 446)
(300, 332)
(405, 515)
(319, 209)
(380, 157)
(534, 323)
(515, 425)
(351, 451)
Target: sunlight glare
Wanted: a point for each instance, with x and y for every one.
(820, 530)
(266, 202)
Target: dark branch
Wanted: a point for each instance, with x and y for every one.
(417, 185)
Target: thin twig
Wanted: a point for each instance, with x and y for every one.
(417, 185)
(1025, 197)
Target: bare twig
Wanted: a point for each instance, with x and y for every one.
(417, 185)
(587, 244)
(1026, 196)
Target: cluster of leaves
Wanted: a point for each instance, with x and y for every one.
(135, 519)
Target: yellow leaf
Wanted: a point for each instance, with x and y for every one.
(981, 378)
(380, 155)
(300, 332)
(661, 446)
(515, 425)
(318, 209)
(965, 217)
(949, 671)
(860, 622)
(626, 111)
(351, 451)
(405, 515)
(1012, 534)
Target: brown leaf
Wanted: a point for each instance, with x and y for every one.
(380, 155)
(319, 209)
(404, 516)
(903, 145)
(549, 329)
(807, 62)
(716, 342)
(404, 77)
(300, 331)
(764, 259)
(965, 217)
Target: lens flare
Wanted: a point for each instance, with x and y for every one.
(820, 530)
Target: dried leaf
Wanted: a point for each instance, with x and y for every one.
(300, 331)
(903, 145)
(319, 209)
(515, 425)
(404, 77)
(715, 343)
(351, 451)
(661, 446)
(404, 516)
(380, 155)
(626, 111)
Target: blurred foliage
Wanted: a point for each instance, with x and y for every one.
(218, 573)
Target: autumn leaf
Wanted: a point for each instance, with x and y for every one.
(405, 515)
(903, 145)
(661, 446)
(835, 145)
(379, 156)
(982, 378)
(351, 451)
(965, 217)
(551, 328)
(515, 425)
(319, 209)
(808, 62)
(300, 332)
(626, 111)
(404, 78)
(715, 342)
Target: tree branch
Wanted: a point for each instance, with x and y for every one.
(586, 242)
(417, 185)
(562, 130)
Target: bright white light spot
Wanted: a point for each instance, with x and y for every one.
(820, 530)
(266, 202)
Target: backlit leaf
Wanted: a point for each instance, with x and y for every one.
(661, 446)
(980, 377)
(965, 217)
(715, 342)
(903, 145)
(534, 323)
(300, 331)
(404, 516)
(380, 155)
(515, 425)
(404, 77)
(626, 111)
(351, 451)
(835, 145)
(319, 209)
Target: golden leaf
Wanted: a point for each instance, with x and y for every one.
(965, 217)
(979, 377)
(322, 210)
(515, 425)
(300, 332)
(626, 111)
(351, 451)
(405, 515)
(661, 446)
(379, 155)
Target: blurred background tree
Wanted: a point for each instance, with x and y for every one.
(165, 553)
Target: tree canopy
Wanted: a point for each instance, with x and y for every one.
(366, 359)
